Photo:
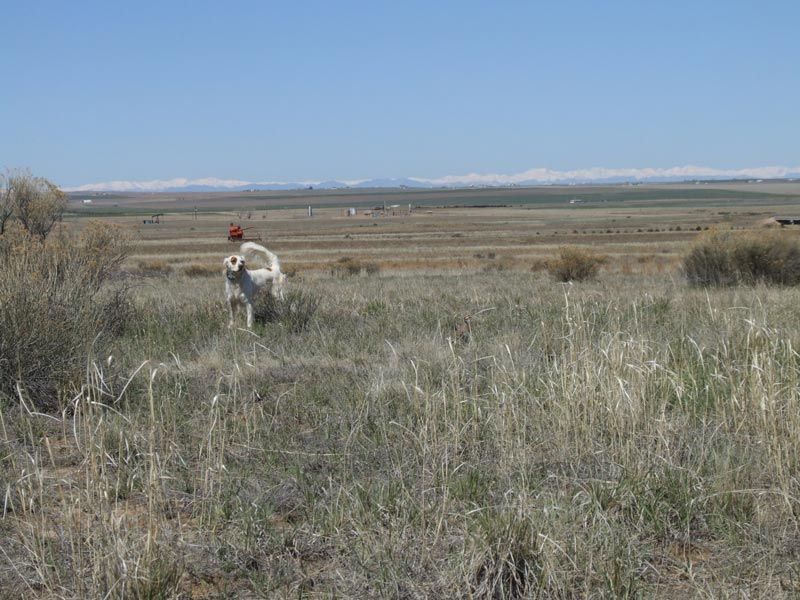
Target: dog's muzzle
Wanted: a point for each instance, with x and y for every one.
(230, 275)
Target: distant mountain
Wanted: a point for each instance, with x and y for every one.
(394, 183)
(330, 185)
(538, 176)
(268, 186)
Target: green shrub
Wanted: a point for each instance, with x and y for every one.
(727, 258)
(574, 264)
(52, 310)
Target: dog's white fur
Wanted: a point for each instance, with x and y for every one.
(243, 285)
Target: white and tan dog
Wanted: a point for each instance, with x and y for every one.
(243, 285)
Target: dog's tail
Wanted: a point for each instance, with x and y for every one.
(251, 248)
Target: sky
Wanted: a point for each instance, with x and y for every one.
(295, 91)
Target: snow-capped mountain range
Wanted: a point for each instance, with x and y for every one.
(538, 176)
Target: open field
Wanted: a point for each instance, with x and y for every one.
(640, 228)
(624, 437)
(651, 194)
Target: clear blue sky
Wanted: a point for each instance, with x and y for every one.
(94, 91)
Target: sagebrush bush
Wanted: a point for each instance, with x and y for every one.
(371, 268)
(574, 264)
(505, 263)
(52, 310)
(33, 202)
(289, 271)
(726, 258)
(348, 266)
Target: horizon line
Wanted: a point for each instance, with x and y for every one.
(535, 176)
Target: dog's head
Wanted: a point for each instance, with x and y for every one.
(234, 266)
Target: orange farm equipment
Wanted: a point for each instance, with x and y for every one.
(236, 234)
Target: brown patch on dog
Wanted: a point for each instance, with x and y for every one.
(233, 260)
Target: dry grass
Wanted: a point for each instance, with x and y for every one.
(627, 436)
(153, 267)
(427, 242)
(201, 270)
(624, 437)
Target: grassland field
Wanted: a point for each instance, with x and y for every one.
(635, 226)
(628, 436)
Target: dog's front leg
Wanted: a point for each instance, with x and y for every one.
(231, 314)
(249, 315)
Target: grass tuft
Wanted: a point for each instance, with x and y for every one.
(295, 312)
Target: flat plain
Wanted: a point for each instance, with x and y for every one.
(444, 421)
(639, 227)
